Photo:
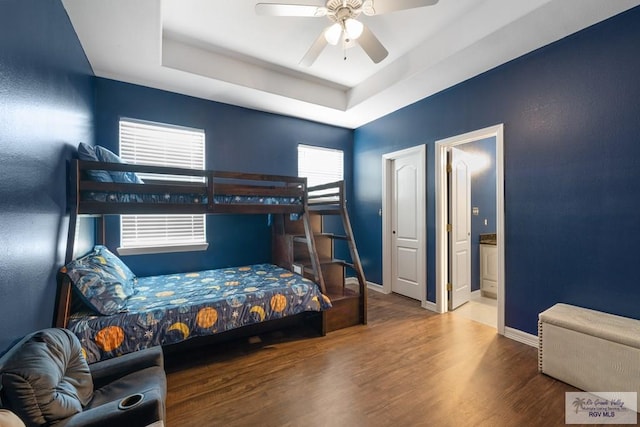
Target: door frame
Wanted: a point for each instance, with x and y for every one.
(442, 266)
(387, 174)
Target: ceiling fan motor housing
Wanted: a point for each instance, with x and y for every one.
(340, 10)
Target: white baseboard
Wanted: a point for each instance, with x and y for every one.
(523, 337)
(370, 285)
(428, 305)
(431, 306)
(376, 287)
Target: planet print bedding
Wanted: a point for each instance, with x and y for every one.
(181, 198)
(171, 308)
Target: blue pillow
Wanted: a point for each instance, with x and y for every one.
(105, 155)
(101, 280)
(87, 152)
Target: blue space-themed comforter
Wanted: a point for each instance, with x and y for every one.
(171, 308)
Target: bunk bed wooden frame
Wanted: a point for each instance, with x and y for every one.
(213, 184)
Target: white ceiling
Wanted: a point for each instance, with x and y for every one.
(222, 51)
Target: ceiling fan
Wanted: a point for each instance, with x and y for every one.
(345, 28)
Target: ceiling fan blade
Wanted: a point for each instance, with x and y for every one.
(277, 9)
(387, 6)
(372, 45)
(314, 51)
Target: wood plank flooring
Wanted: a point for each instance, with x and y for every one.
(407, 367)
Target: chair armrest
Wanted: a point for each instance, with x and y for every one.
(147, 412)
(109, 370)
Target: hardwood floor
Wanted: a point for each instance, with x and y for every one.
(407, 367)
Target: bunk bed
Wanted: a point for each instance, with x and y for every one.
(113, 312)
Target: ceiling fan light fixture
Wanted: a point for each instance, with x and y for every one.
(353, 28)
(333, 33)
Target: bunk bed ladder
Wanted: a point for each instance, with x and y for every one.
(308, 238)
(349, 297)
(293, 248)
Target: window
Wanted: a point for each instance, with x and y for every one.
(157, 144)
(320, 165)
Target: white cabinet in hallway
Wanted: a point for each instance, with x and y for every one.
(489, 270)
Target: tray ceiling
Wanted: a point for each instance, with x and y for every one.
(222, 51)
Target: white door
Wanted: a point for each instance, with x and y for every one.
(406, 228)
(460, 235)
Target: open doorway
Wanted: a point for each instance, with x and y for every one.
(444, 287)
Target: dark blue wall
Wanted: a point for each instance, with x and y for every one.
(46, 109)
(572, 165)
(572, 158)
(483, 196)
(237, 139)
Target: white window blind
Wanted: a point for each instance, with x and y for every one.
(143, 143)
(161, 145)
(320, 165)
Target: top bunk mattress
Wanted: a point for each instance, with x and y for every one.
(116, 197)
(179, 190)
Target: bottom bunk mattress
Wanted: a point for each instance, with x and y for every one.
(171, 308)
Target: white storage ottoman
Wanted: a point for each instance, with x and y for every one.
(590, 350)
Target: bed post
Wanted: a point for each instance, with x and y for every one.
(72, 208)
(63, 308)
(63, 297)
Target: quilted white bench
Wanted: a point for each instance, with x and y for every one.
(590, 350)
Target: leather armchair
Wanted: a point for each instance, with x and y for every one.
(45, 380)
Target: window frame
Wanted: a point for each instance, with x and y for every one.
(188, 245)
(318, 149)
